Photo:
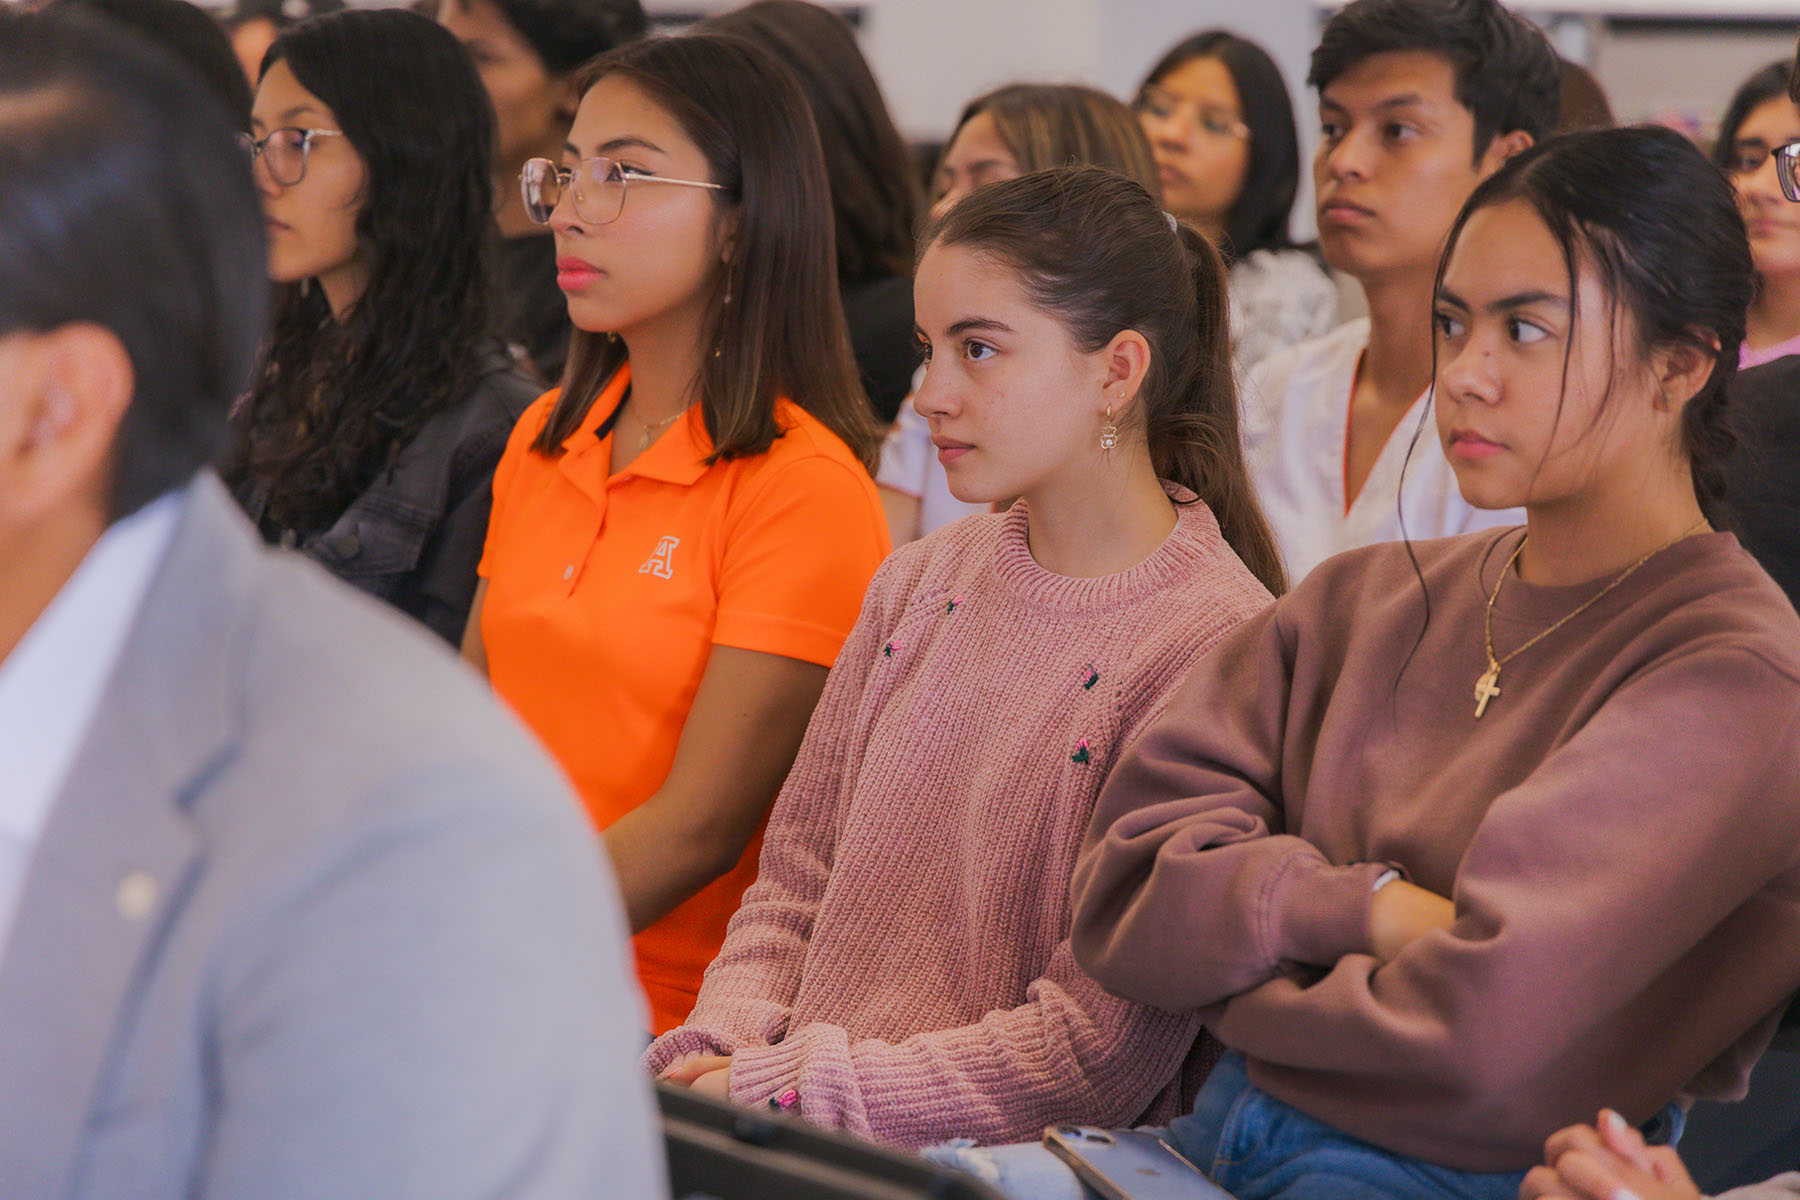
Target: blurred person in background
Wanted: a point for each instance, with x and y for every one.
(1762, 118)
(874, 196)
(1217, 113)
(526, 52)
(253, 26)
(180, 28)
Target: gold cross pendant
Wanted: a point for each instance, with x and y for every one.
(1486, 688)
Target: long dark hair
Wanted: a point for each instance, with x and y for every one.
(339, 397)
(874, 192)
(1661, 227)
(1774, 80)
(783, 333)
(1258, 219)
(1093, 249)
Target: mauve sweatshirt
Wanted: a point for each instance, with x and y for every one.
(1620, 834)
(902, 961)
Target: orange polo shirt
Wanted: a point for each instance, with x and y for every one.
(606, 594)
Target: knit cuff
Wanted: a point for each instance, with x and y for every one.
(760, 1074)
(815, 1063)
(683, 1040)
(1318, 912)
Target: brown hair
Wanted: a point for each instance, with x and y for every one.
(782, 334)
(874, 193)
(1093, 249)
(1059, 125)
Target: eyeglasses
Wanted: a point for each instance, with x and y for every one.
(1748, 157)
(1217, 122)
(1787, 169)
(595, 185)
(284, 151)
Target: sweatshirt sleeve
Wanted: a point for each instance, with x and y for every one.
(1592, 896)
(1184, 849)
(748, 990)
(1070, 1052)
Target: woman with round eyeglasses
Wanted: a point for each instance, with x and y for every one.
(682, 533)
(1759, 147)
(1221, 125)
(369, 439)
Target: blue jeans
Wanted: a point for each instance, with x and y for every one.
(1258, 1148)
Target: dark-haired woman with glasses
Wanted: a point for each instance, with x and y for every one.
(1220, 123)
(370, 437)
(683, 532)
(1759, 138)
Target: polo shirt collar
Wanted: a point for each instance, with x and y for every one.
(678, 456)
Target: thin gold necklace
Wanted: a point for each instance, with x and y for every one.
(1488, 686)
(651, 429)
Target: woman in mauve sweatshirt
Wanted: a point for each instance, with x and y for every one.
(901, 968)
(1462, 840)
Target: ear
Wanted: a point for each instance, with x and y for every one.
(1124, 362)
(1682, 369)
(1502, 147)
(69, 389)
(728, 235)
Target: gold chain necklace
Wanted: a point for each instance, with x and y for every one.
(653, 428)
(1488, 686)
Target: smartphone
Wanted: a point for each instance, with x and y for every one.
(1124, 1164)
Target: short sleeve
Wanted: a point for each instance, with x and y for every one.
(798, 557)
(518, 445)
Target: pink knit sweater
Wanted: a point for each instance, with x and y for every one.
(902, 961)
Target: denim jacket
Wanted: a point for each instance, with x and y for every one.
(414, 538)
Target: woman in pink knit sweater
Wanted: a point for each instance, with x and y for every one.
(901, 968)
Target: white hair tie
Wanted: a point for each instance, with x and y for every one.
(1174, 225)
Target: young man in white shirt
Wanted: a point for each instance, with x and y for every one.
(1419, 101)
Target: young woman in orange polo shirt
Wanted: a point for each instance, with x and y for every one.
(683, 532)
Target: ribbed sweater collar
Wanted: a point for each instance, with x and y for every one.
(1194, 545)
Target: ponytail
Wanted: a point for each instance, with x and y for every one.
(1194, 437)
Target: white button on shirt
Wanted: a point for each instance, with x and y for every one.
(52, 682)
(1296, 414)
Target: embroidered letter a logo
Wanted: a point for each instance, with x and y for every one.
(658, 564)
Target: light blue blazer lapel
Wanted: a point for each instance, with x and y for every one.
(119, 850)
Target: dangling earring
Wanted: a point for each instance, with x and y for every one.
(725, 302)
(1109, 433)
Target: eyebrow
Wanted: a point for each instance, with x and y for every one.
(1505, 303)
(608, 149)
(978, 324)
(284, 119)
(1406, 100)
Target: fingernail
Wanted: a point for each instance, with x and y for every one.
(1624, 1193)
(1617, 1124)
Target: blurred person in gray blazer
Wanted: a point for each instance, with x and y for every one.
(288, 906)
